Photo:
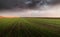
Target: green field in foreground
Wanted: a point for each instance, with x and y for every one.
(29, 27)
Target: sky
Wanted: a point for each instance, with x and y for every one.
(30, 9)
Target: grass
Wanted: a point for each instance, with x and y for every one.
(29, 27)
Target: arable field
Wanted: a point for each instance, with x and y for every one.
(29, 27)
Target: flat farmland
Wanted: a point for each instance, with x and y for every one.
(29, 27)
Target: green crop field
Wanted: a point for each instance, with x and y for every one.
(29, 27)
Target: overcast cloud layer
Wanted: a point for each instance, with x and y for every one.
(30, 8)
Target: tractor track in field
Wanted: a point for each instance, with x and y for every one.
(8, 31)
(17, 26)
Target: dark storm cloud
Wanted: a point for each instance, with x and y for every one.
(7, 4)
(26, 8)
